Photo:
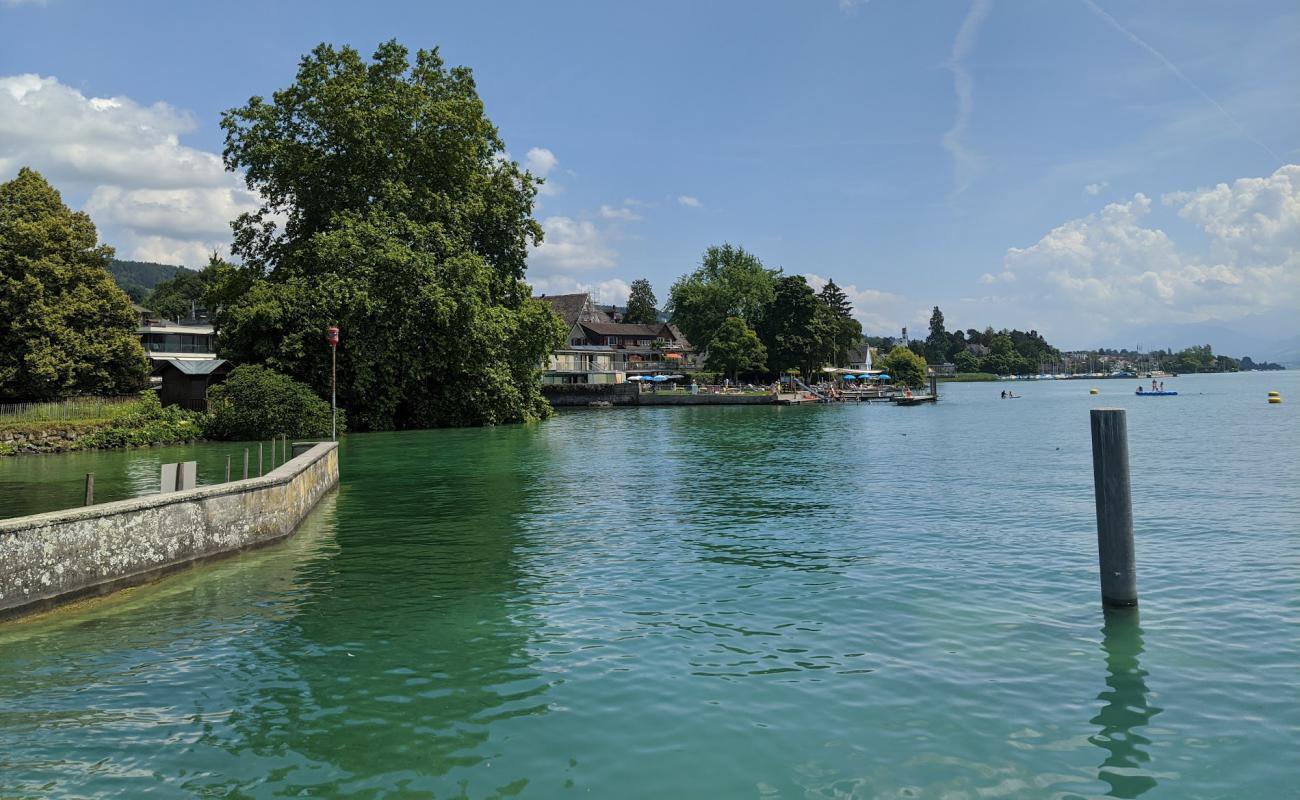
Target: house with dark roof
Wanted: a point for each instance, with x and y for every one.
(185, 381)
(574, 308)
(599, 350)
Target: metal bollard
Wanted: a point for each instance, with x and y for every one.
(1110, 475)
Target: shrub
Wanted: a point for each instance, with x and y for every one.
(145, 423)
(258, 403)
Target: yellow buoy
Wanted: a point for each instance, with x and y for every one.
(1274, 394)
(1092, 391)
(1275, 399)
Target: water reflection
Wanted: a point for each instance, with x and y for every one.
(1127, 708)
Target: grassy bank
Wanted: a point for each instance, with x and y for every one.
(96, 424)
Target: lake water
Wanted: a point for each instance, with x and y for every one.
(808, 602)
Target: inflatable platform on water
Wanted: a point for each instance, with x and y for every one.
(1156, 394)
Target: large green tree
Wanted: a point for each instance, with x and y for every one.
(837, 330)
(904, 367)
(788, 327)
(65, 327)
(735, 349)
(389, 210)
(730, 282)
(641, 304)
(936, 344)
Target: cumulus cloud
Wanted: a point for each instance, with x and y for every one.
(624, 213)
(1113, 268)
(613, 291)
(541, 162)
(1095, 188)
(689, 201)
(153, 197)
(879, 312)
(571, 244)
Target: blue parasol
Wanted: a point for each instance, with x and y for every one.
(884, 376)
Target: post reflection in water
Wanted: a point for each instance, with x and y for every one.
(1127, 708)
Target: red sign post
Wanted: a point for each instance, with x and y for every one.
(332, 336)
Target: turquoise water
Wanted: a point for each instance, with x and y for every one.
(810, 602)
(33, 484)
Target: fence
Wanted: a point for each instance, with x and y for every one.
(71, 408)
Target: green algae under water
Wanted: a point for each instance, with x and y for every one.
(843, 601)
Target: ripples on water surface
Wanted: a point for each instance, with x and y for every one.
(715, 602)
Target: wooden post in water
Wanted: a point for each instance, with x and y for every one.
(245, 463)
(90, 489)
(1114, 507)
(227, 468)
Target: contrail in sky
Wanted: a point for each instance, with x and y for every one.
(1114, 23)
(966, 163)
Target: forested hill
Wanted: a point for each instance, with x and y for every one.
(136, 278)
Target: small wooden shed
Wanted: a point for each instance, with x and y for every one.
(185, 381)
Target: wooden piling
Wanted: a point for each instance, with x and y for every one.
(90, 489)
(227, 468)
(259, 459)
(245, 463)
(1110, 475)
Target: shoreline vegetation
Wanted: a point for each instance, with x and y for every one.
(417, 252)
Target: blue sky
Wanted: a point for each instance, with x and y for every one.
(1073, 166)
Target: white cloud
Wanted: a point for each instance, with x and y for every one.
(153, 197)
(571, 244)
(689, 201)
(1095, 188)
(967, 164)
(879, 312)
(1112, 268)
(540, 162)
(613, 291)
(625, 214)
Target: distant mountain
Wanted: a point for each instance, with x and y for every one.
(1272, 336)
(136, 278)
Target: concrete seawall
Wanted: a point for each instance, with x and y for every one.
(46, 559)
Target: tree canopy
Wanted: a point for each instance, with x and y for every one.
(641, 304)
(735, 349)
(904, 367)
(788, 326)
(836, 329)
(730, 282)
(390, 211)
(65, 327)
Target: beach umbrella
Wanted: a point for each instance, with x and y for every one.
(884, 376)
(850, 377)
(659, 378)
(864, 377)
(636, 377)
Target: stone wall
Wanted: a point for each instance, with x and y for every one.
(50, 558)
(52, 438)
(584, 394)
